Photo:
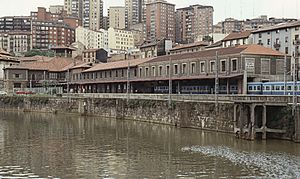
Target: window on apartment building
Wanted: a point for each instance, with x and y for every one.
(223, 65)
(212, 66)
(193, 68)
(153, 71)
(277, 31)
(167, 70)
(175, 69)
(96, 75)
(160, 71)
(268, 41)
(116, 74)
(286, 50)
(202, 67)
(105, 74)
(17, 75)
(110, 75)
(122, 73)
(259, 35)
(234, 65)
(183, 68)
(135, 72)
(146, 71)
(296, 28)
(87, 76)
(141, 72)
(286, 39)
(296, 37)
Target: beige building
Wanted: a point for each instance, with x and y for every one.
(56, 9)
(193, 22)
(116, 16)
(160, 20)
(90, 11)
(120, 40)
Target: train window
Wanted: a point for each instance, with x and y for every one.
(282, 87)
(273, 87)
(289, 87)
(250, 88)
(268, 88)
(277, 88)
(254, 88)
(258, 88)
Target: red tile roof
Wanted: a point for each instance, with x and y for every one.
(237, 35)
(56, 64)
(118, 64)
(183, 46)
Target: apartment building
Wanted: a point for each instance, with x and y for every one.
(120, 40)
(116, 15)
(15, 23)
(43, 15)
(193, 23)
(51, 34)
(135, 12)
(160, 20)
(16, 42)
(90, 11)
(92, 39)
(281, 37)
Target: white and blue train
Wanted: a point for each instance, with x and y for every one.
(197, 89)
(273, 88)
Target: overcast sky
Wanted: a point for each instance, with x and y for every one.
(240, 9)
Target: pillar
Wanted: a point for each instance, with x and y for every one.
(252, 121)
(264, 122)
(297, 126)
(234, 117)
(241, 120)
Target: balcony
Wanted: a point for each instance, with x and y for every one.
(296, 42)
(260, 43)
(277, 45)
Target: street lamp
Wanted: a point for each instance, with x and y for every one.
(170, 79)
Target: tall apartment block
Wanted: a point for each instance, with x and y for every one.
(116, 16)
(193, 23)
(135, 12)
(90, 11)
(160, 20)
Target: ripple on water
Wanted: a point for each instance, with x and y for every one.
(17, 172)
(274, 165)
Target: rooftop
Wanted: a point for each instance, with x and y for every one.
(237, 35)
(118, 64)
(278, 27)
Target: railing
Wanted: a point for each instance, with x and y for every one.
(188, 97)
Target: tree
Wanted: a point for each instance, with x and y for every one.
(35, 52)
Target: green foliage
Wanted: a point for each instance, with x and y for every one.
(35, 52)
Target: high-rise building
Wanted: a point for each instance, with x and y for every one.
(90, 11)
(160, 20)
(193, 23)
(135, 12)
(116, 15)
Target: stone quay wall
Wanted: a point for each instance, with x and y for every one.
(189, 114)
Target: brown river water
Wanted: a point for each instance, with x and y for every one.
(41, 145)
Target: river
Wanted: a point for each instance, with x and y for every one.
(42, 145)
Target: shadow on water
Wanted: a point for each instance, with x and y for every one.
(71, 146)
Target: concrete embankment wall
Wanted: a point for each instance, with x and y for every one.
(201, 115)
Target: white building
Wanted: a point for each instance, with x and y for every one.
(92, 39)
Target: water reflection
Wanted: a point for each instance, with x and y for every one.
(70, 146)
